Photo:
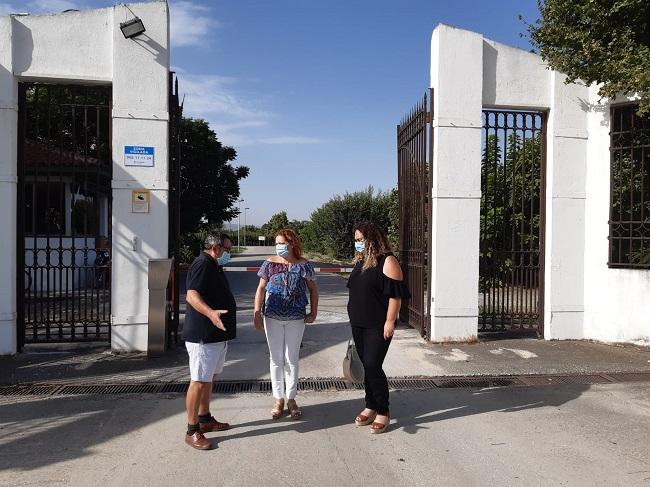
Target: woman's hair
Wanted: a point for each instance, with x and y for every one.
(376, 244)
(291, 237)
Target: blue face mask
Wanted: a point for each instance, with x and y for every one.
(359, 246)
(282, 250)
(224, 259)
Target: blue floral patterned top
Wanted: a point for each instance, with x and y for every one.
(286, 289)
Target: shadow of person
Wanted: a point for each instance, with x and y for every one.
(412, 411)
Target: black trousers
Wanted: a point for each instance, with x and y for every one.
(372, 349)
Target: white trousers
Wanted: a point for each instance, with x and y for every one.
(284, 338)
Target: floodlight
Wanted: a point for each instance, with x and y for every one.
(132, 28)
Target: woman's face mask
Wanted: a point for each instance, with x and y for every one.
(282, 249)
(359, 246)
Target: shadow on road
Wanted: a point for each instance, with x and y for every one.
(39, 432)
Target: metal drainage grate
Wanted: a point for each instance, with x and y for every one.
(564, 379)
(411, 384)
(324, 384)
(108, 389)
(629, 377)
(28, 390)
(177, 388)
(234, 387)
(478, 382)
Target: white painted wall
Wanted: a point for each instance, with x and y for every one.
(584, 299)
(566, 159)
(70, 45)
(88, 47)
(60, 251)
(140, 117)
(617, 301)
(8, 185)
(456, 77)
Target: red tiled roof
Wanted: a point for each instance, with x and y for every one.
(40, 154)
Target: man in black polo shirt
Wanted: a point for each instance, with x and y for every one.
(210, 322)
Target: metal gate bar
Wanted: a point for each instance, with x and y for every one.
(175, 115)
(629, 221)
(414, 156)
(64, 230)
(511, 241)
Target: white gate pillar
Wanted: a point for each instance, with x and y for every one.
(140, 118)
(457, 80)
(566, 175)
(8, 188)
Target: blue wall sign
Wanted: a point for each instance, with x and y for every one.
(137, 155)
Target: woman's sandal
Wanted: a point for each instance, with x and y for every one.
(363, 420)
(294, 410)
(276, 412)
(376, 428)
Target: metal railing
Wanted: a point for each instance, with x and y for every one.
(512, 221)
(414, 161)
(64, 211)
(629, 221)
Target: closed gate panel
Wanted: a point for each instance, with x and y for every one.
(512, 210)
(64, 213)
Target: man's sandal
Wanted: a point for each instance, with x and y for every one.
(276, 412)
(294, 410)
(363, 420)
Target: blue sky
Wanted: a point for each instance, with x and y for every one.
(309, 92)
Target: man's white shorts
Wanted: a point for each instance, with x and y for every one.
(206, 360)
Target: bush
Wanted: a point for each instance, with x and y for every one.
(330, 229)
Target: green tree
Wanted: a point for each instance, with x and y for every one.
(330, 229)
(510, 207)
(393, 219)
(598, 41)
(209, 183)
(630, 178)
(276, 222)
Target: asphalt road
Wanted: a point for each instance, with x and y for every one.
(547, 436)
(570, 435)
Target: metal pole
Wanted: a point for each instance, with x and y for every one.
(239, 223)
(245, 225)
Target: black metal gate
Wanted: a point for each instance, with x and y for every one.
(414, 160)
(64, 213)
(512, 222)
(175, 115)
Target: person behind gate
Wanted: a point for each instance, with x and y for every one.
(209, 324)
(376, 290)
(280, 310)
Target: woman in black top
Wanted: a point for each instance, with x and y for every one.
(376, 292)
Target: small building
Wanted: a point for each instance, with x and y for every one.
(525, 201)
(84, 172)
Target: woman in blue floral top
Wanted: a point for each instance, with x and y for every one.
(285, 279)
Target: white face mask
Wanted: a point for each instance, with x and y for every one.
(282, 249)
(224, 259)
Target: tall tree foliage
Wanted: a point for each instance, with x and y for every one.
(209, 183)
(598, 41)
(330, 229)
(510, 206)
(277, 222)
